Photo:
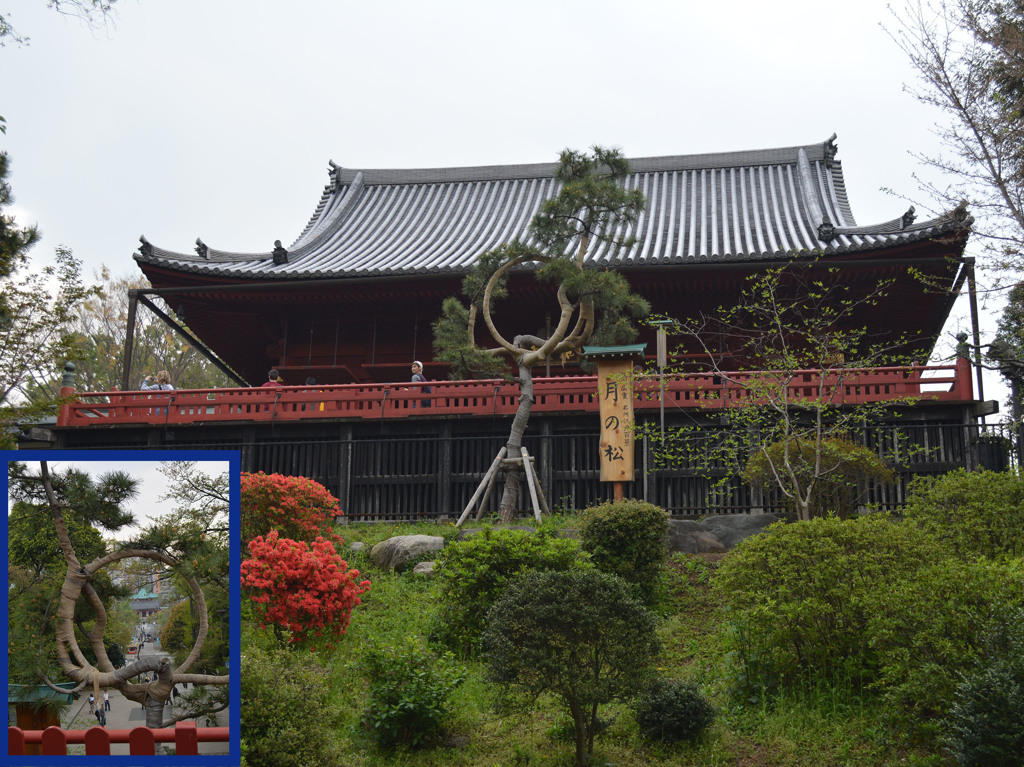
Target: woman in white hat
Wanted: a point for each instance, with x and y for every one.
(418, 377)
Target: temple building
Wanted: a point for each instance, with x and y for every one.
(352, 298)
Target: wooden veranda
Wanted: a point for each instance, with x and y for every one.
(386, 456)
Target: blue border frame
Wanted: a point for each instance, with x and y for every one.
(233, 458)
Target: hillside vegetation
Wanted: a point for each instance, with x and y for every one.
(870, 641)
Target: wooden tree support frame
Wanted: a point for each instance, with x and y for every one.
(537, 498)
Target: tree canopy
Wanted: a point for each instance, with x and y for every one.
(95, 13)
(790, 320)
(969, 57)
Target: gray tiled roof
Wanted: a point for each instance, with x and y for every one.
(737, 206)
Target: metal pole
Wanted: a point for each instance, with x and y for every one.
(973, 295)
(129, 341)
(662, 360)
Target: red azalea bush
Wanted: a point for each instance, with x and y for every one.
(297, 507)
(307, 590)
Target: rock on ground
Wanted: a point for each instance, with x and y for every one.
(689, 537)
(396, 553)
(730, 529)
(423, 568)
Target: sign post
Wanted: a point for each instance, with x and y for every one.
(615, 398)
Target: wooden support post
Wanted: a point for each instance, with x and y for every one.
(487, 494)
(530, 481)
(483, 483)
(540, 492)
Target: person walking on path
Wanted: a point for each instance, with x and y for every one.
(106, 701)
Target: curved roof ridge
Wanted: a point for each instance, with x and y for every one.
(907, 224)
(334, 214)
(707, 160)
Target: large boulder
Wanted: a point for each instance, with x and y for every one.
(689, 537)
(396, 553)
(730, 529)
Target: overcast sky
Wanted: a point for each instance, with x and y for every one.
(216, 120)
(147, 505)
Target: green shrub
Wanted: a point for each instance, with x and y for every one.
(801, 596)
(671, 710)
(472, 574)
(409, 689)
(579, 635)
(977, 513)
(986, 723)
(929, 627)
(985, 726)
(287, 710)
(627, 539)
(840, 479)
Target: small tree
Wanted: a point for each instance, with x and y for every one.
(844, 471)
(786, 352)
(592, 208)
(35, 335)
(579, 635)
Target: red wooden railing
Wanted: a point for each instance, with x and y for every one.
(141, 741)
(951, 383)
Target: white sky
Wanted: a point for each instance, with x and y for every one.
(217, 119)
(152, 484)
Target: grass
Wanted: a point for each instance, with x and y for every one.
(829, 725)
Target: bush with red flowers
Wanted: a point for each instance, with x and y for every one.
(297, 507)
(305, 589)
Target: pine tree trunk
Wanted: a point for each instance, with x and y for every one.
(513, 476)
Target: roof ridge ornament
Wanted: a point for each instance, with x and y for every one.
(831, 150)
(908, 217)
(202, 249)
(334, 171)
(826, 229)
(145, 248)
(960, 214)
(280, 254)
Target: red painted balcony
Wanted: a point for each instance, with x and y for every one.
(54, 741)
(945, 383)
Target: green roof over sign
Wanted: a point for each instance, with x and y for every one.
(614, 352)
(33, 694)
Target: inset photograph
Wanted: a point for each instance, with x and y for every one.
(122, 608)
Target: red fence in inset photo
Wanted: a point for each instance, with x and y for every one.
(54, 741)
